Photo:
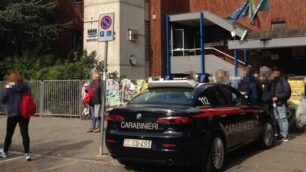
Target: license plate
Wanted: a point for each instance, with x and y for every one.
(135, 143)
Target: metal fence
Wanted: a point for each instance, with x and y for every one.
(63, 97)
(55, 97)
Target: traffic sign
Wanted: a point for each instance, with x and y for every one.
(106, 27)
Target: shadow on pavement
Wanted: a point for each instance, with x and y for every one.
(61, 148)
(233, 159)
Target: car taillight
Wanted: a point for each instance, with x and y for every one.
(168, 145)
(115, 118)
(174, 120)
(111, 141)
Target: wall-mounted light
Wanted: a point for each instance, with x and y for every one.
(133, 60)
(133, 35)
(233, 33)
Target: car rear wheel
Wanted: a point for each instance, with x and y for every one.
(216, 155)
(267, 139)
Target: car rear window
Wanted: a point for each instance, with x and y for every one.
(172, 96)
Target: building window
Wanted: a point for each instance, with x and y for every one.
(186, 39)
(178, 42)
(278, 25)
(78, 41)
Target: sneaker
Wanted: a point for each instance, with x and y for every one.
(285, 139)
(28, 157)
(90, 130)
(2, 153)
(97, 130)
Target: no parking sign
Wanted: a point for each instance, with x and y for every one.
(106, 27)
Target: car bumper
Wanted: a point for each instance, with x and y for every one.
(184, 153)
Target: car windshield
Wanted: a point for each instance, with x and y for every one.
(172, 96)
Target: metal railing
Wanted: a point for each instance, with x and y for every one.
(222, 52)
(60, 98)
(63, 97)
(54, 97)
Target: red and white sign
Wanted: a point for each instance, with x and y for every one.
(106, 27)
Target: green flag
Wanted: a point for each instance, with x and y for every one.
(264, 5)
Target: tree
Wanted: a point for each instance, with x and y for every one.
(27, 33)
(27, 25)
(28, 64)
(80, 69)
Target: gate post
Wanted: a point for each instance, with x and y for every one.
(42, 97)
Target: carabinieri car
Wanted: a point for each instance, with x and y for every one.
(182, 122)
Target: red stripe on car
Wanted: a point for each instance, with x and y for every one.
(208, 112)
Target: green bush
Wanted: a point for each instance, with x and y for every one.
(35, 67)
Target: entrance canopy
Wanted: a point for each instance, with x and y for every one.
(209, 19)
(192, 42)
(271, 39)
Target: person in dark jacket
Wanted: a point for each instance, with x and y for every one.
(265, 86)
(266, 96)
(15, 87)
(280, 93)
(95, 103)
(249, 87)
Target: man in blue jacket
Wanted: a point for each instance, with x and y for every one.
(249, 87)
(281, 92)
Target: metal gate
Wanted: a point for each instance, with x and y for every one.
(54, 97)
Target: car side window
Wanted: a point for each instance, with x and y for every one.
(209, 97)
(221, 97)
(233, 96)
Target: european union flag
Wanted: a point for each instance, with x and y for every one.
(242, 11)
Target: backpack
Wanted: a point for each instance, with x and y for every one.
(88, 96)
(27, 106)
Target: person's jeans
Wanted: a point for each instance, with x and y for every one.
(95, 112)
(281, 117)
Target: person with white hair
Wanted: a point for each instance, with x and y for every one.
(95, 102)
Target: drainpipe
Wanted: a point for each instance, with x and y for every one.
(236, 63)
(168, 62)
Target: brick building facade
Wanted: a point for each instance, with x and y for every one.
(70, 41)
(287, 13)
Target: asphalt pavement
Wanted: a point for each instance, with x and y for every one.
(62, 144)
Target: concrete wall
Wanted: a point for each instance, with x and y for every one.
(129, 14)
(185, 64)
(132, 17)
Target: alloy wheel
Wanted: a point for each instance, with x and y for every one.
(217, 153)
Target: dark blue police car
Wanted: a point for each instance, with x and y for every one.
(182, 122)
